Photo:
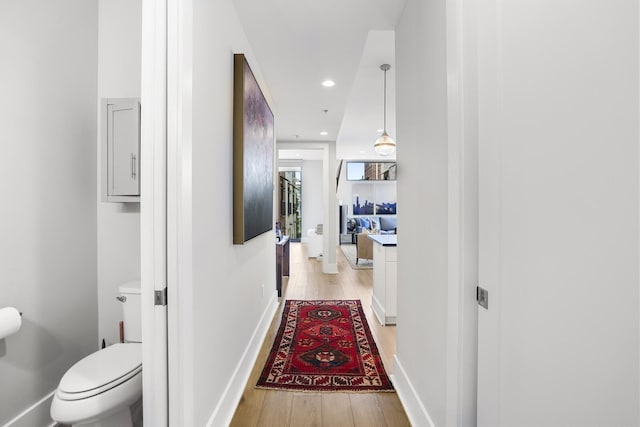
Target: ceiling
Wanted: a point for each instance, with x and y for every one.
(300, 43)
(301, 154)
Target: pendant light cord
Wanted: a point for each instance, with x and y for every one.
(385, 145)
(384, 115)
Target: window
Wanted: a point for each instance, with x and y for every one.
(371, 171)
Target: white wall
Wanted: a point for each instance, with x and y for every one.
(119, 42)
(48, 184)
(558, 227)
(311, 195)
(422, 156)
(559, 127)
(227, 280)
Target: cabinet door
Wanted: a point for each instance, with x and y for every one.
(123, 148)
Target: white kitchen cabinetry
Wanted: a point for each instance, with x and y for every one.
(120, 150)
(385, 278)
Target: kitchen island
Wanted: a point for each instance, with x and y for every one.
(385, 273)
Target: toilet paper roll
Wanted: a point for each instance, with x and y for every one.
(10, 321)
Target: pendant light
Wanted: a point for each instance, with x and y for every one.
(385, 145)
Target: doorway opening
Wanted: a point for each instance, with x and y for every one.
(290, 202)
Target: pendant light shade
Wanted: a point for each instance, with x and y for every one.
(385, 145)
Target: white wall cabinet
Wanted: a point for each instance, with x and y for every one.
(120, 150)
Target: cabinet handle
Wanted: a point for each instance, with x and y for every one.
(133, 166)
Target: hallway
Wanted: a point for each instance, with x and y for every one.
(259, 407)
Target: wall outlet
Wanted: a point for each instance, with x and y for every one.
(262, 290)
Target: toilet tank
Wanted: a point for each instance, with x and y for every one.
(131, 310)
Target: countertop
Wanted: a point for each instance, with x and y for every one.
(384, 239)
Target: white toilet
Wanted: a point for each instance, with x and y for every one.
(100, 389)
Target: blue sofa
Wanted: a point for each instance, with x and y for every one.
(385, 224)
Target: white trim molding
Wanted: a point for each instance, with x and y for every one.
(179, 211)
(35, 415)
(232, 394)
(462, 256)
(153, 211)
(639, 198)
(411, 402)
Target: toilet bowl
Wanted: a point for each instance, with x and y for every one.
(100, 390)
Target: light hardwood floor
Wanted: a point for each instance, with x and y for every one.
(259, 407)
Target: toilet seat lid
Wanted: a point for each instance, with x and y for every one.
(102, 370)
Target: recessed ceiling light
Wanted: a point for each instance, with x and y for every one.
(328, 83)
(362, 151)
(323, 133)
(380, 130)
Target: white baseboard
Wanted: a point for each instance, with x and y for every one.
(35, 415)
(417, 413)
(328, 268)
(378, 310)
(232, 394)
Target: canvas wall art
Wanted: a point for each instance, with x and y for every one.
(385, 195)
(253, 148)
(362, 199)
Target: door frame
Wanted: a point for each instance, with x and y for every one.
(179, 211)
(462, 200)
(166, 205)
(329, 200)
(153, 211)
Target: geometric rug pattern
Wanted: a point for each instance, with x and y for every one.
(324, 345)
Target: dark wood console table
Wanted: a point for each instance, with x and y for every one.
(282, 262)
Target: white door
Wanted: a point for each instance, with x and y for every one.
(559, 224)
(153, 210)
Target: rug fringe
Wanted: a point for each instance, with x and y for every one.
(323, 391)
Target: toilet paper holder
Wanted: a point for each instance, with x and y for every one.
(10, 321)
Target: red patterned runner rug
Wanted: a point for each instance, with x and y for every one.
(324, 346)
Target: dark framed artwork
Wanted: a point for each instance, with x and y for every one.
(253, 148)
